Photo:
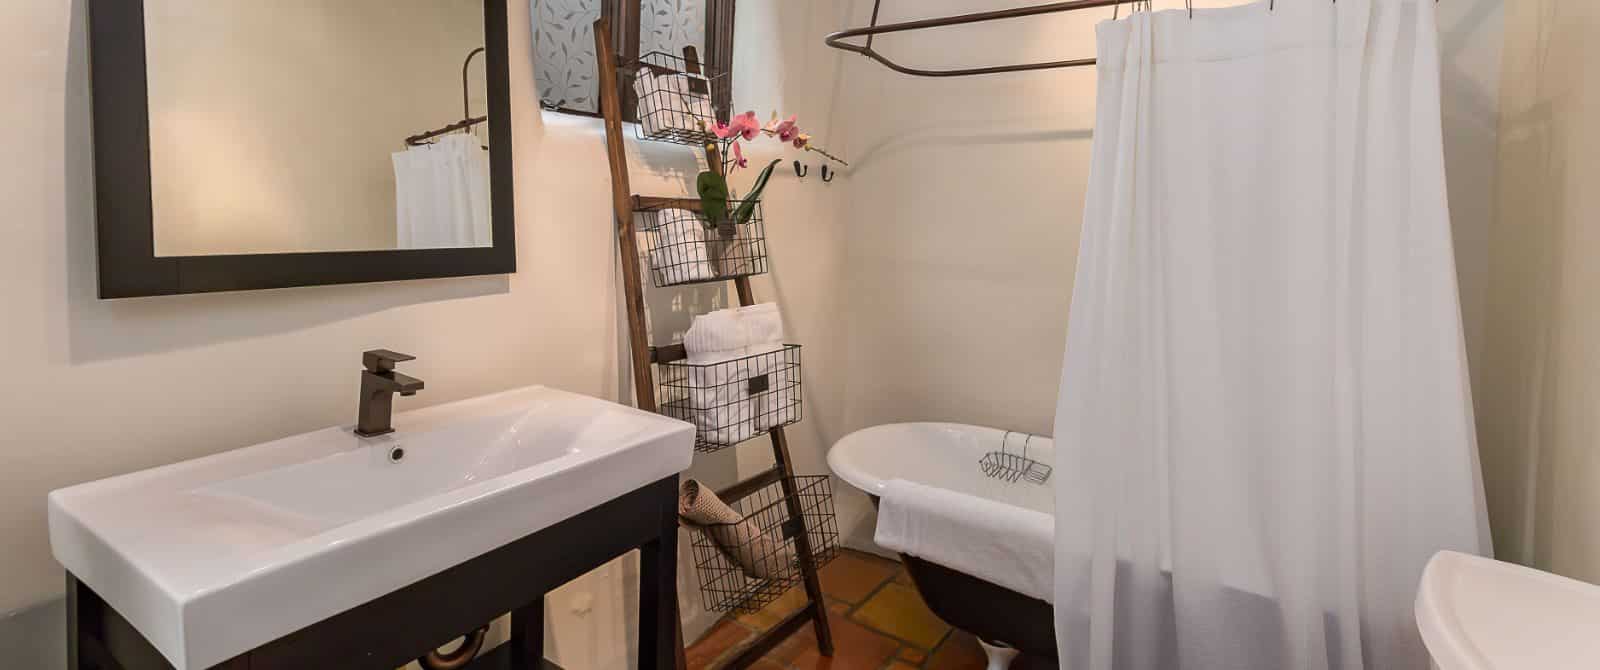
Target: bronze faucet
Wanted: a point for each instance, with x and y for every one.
(379, 383)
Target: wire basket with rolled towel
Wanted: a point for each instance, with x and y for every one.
(674, 97)
(745, 551)
(682, 248)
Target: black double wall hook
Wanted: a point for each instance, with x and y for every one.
(828, 175)
(800, 170)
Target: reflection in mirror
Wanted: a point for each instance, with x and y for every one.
(281, 127)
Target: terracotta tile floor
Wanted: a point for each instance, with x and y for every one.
(878, 621)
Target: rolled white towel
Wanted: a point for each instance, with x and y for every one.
(715, 337)
(667, 103)
(762, 324)
(717, 378)
(779, 404)
(696, 106)
(678, 250)
(655, 110)
(763, 327)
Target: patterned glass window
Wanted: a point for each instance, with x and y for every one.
(564, 58)
(563, 42)
(670, 25)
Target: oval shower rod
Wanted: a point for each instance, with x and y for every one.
(837, 40)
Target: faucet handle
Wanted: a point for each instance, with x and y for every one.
(383, 360)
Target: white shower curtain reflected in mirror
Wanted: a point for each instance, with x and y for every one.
(442, 195)
(1264, 429)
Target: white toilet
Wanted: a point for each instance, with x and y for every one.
(1480, 614)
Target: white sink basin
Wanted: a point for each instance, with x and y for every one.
(1479, 614)
(214, 557)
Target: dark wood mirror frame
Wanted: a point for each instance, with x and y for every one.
(125, 219)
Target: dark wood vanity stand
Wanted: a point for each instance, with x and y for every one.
(390, 631)
(624, 204)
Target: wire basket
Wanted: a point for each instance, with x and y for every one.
(1012, 466)
(768, 545)
(682, 249)
(673, 97)
(735, 400)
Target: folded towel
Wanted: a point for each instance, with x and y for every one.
(678, 251)
(742, 540)
(763, 326)
(1010, 546)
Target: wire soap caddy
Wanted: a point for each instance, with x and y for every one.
(1011, 466)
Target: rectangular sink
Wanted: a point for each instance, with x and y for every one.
(213, 557)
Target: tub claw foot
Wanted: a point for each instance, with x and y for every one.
(1000, 655)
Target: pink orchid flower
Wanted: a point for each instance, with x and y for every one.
(801, 140)
(787, 130)
(745, 125)
(738, 156)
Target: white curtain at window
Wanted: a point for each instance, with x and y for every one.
(1264, 429)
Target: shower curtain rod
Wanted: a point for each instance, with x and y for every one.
(837, 40)
(468, 120)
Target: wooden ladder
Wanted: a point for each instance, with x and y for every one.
(623, 203)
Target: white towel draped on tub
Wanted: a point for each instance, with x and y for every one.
(1003, 544)
(442, 195)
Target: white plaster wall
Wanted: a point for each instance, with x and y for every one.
(963, 210)
(1541, 376)
(95, 388)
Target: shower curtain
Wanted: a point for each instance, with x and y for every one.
(1264, 429)
(442, 195)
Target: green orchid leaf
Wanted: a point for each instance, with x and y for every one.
(713, 189)
(747, 208)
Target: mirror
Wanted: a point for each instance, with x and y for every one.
(245, 144)
(280, 127)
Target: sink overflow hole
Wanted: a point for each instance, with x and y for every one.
(397, 454)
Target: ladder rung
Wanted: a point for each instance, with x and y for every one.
(668, 354)
(740, 490)
(651, 203)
